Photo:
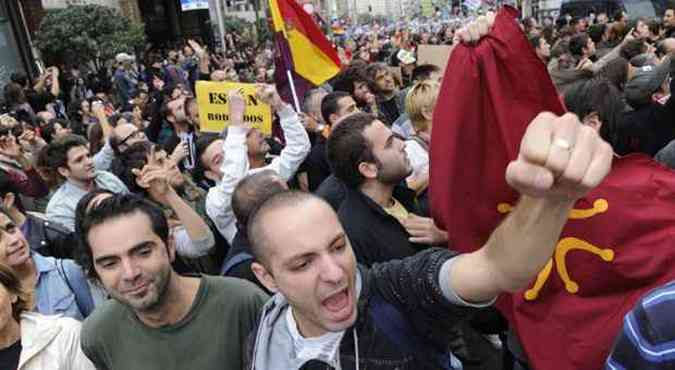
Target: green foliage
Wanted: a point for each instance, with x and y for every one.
(82, 33)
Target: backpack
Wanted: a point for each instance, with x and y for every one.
(235, 261)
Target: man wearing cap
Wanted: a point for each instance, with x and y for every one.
(649, 125)
(125, 80)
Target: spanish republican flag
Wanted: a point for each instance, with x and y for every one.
(618, 243)
(302, 48)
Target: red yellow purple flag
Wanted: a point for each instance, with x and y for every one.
(303, 47)
(618, 243)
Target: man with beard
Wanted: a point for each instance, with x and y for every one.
(329, 312)
(157, 318)
(68, 158)
(388, 101)
(378, 214)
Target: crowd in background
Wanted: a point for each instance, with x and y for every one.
(81, 149)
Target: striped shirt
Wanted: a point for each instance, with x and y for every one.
(647, 340)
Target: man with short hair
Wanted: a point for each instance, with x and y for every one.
(328, 311)
(243, 150)
(335, 107)
(582, 47)
(157, 319)
(125, 135)
(379, 215)
(541, 48)
(69, 159)
(316, 169)
(250, 193)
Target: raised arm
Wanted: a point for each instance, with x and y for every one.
(297, 141)
(560, 160)
(234, 168)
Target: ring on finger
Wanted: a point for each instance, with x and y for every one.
(563, 144)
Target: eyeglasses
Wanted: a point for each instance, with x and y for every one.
(137, 134)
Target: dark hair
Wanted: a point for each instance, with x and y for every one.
(345, 80)
(7, 185)
(534, 41)
(115, 207)
(596, 31)
(11, 282)
(49, 129)
(252, 191)
(257, 235)
(600, 96)
(424, 71)
(56, 153)
(135, 157)
(347, 147)
(329, 104)
(82, 207)
(202, 143)
(372, 70)
(633, 48)
(95, 134)
(616, 72)
(578, 43)
(14, 94)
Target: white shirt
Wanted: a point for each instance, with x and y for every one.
(324, 347)
(419, 158)
(235, 167)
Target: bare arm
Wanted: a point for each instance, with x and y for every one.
(560, 160)
(56, 88)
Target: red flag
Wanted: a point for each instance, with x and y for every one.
(302, 49)
(618, 243)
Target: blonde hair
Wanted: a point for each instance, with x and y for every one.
(421, 97)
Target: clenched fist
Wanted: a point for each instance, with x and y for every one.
(559, 159)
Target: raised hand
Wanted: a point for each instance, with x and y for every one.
(268, 94)
(237, 108)
(559, 159)
(475, 30)
(153, 176)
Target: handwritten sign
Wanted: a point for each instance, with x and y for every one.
(214, 108)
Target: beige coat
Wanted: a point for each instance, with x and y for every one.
(51, 343)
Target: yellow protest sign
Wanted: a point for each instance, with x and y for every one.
(214, 109)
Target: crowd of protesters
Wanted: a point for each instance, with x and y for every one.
(119, 217)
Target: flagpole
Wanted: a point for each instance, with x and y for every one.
(221, 27)
(295, 94)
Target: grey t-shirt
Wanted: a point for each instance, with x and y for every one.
(211, 336)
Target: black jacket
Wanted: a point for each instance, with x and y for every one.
(375, 235)
(48, 238)
(648, 128)
(403, 322)
(242, 269)
(333, 191)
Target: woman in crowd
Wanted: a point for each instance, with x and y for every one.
(31, 341)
